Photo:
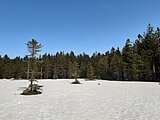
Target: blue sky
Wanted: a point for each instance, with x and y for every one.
(73, 25)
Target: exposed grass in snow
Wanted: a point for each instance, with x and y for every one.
(61, 100)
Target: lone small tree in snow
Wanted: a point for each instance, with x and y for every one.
(75, 73)
(33, 49)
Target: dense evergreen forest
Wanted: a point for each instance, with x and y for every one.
(138, 61)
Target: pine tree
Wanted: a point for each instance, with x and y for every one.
(7, 71)
(127, 53)
(47, 66)
(149, 47)
(72, 64)
(83, 60)
(55, 69)
(1, 67)
(102, 67)
(90, 71)
(33, 49)
(61, 65)
(17, 68)
(157, 59)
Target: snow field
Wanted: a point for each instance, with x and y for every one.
(61, 100)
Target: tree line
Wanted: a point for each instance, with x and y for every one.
(138, 61)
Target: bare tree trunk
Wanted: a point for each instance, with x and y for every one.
(32, 72)
(41, 72)
(154, 72)
(28, 70)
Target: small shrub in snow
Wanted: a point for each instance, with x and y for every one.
(32, 89)
(76, 82)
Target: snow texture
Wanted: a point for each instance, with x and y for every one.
(62, 100)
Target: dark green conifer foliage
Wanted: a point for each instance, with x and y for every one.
(90, 71)
(1, 67)
(7, 67)
(139, 60)
(47, 66)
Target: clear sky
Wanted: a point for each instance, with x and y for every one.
(73, 25)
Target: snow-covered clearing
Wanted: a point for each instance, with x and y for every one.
(61, 100)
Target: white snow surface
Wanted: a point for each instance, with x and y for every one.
(61, 100)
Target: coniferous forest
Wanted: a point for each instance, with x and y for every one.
(137, 61)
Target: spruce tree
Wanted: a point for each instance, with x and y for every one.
(33, 49)
(1, 67)
(90, 71)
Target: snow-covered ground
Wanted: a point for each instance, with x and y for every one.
(88, 101)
